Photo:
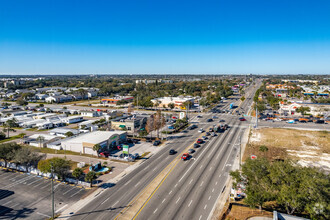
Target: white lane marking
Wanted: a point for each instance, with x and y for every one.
(216, 183)
(127, 182)
(189, 203)
(205, 206)
(146, 167)
(178, 200)
(202, 183)
(43, 214)
(190, 181)
(155, 210)
(176, 185)
(105, 201)
(213, 190)
(115, 204)
(163, 200)
(219, 175)
(72, 188)
(137, 184)
(200, 217)
(231, 150)
(76, 193)
(170, 192)
(62, 208)
(201, 167)
(210, 168)
(209, 197)
(154, 169)
(33, 182)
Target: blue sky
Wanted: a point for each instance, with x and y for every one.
(158, 36)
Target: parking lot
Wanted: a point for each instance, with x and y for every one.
(28, 196)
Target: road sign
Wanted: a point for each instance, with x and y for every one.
(125, 149)
(253, 157)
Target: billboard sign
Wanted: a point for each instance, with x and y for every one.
(125, 149)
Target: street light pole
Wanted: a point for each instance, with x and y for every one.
(52, 191)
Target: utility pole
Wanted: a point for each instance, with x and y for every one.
(52, 191)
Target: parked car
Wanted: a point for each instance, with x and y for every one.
(156, 143)
(172, 152)
(319, 121)
(185, 156)
(104, 154)
(136, 156)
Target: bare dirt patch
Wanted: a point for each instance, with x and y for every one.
(309, 148)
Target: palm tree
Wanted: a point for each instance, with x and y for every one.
(96, 148)
(9, 126)
(22, 135)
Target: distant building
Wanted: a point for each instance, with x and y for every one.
(116, 99)
(91, 113)
(130, 124)
(177, 101)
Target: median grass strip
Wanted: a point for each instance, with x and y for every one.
(10, 138)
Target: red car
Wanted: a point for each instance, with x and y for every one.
(185, 156)
(104, 154)
(242, 119)
(199, 141)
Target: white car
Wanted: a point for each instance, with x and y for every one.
(201, 130)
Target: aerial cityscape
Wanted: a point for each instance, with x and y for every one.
(201, 110)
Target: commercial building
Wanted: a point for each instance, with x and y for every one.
(130, 124)
(84, 143)
(177, 101)
(116, 99)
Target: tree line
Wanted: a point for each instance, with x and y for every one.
(294, 189)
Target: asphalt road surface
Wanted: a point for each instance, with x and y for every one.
(108, 204)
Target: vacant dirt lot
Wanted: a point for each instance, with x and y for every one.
(309, 148)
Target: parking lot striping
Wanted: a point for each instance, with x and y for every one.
(7, 202)
(33, 182)
(189, 203)
(72, 188)
(105, 201)
(48, 216)
(190, 181)
(178, 200)
(76, 193)
(62, 208)
(202, 183)
(155, 210)
(45, 186)
(170, 192)
(17, 182)
(12, 207)
(42, 182)
(163, 200)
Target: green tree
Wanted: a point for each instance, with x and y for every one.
(61, 166)
(77, 173)
(21, 101)
(7, 152)
(69, 134)
(27, 157)
(90, 176)
(9, 126)
(97, 148)
(242, 98)
(2, 136)
(171, 105)
(303, 110)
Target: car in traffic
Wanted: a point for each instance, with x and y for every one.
(172, 152)
(191, 151)
(185, 156)
(199, 116)
(204, 137)
(201, 130)
(196, 145)
(222, 120)
(213, 134)
(207, 133)
(209, 120)
(156, 143)
(199, 141)
(291, 122)
(242, 119)
(214, 116)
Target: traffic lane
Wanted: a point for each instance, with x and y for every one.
(176, 180)
(202, 185)
(216, 183)
(142, 173)
(171, 187)
(28, 195)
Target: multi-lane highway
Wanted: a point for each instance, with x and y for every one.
(191, 176)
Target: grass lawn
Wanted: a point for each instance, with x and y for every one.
(10, 138)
